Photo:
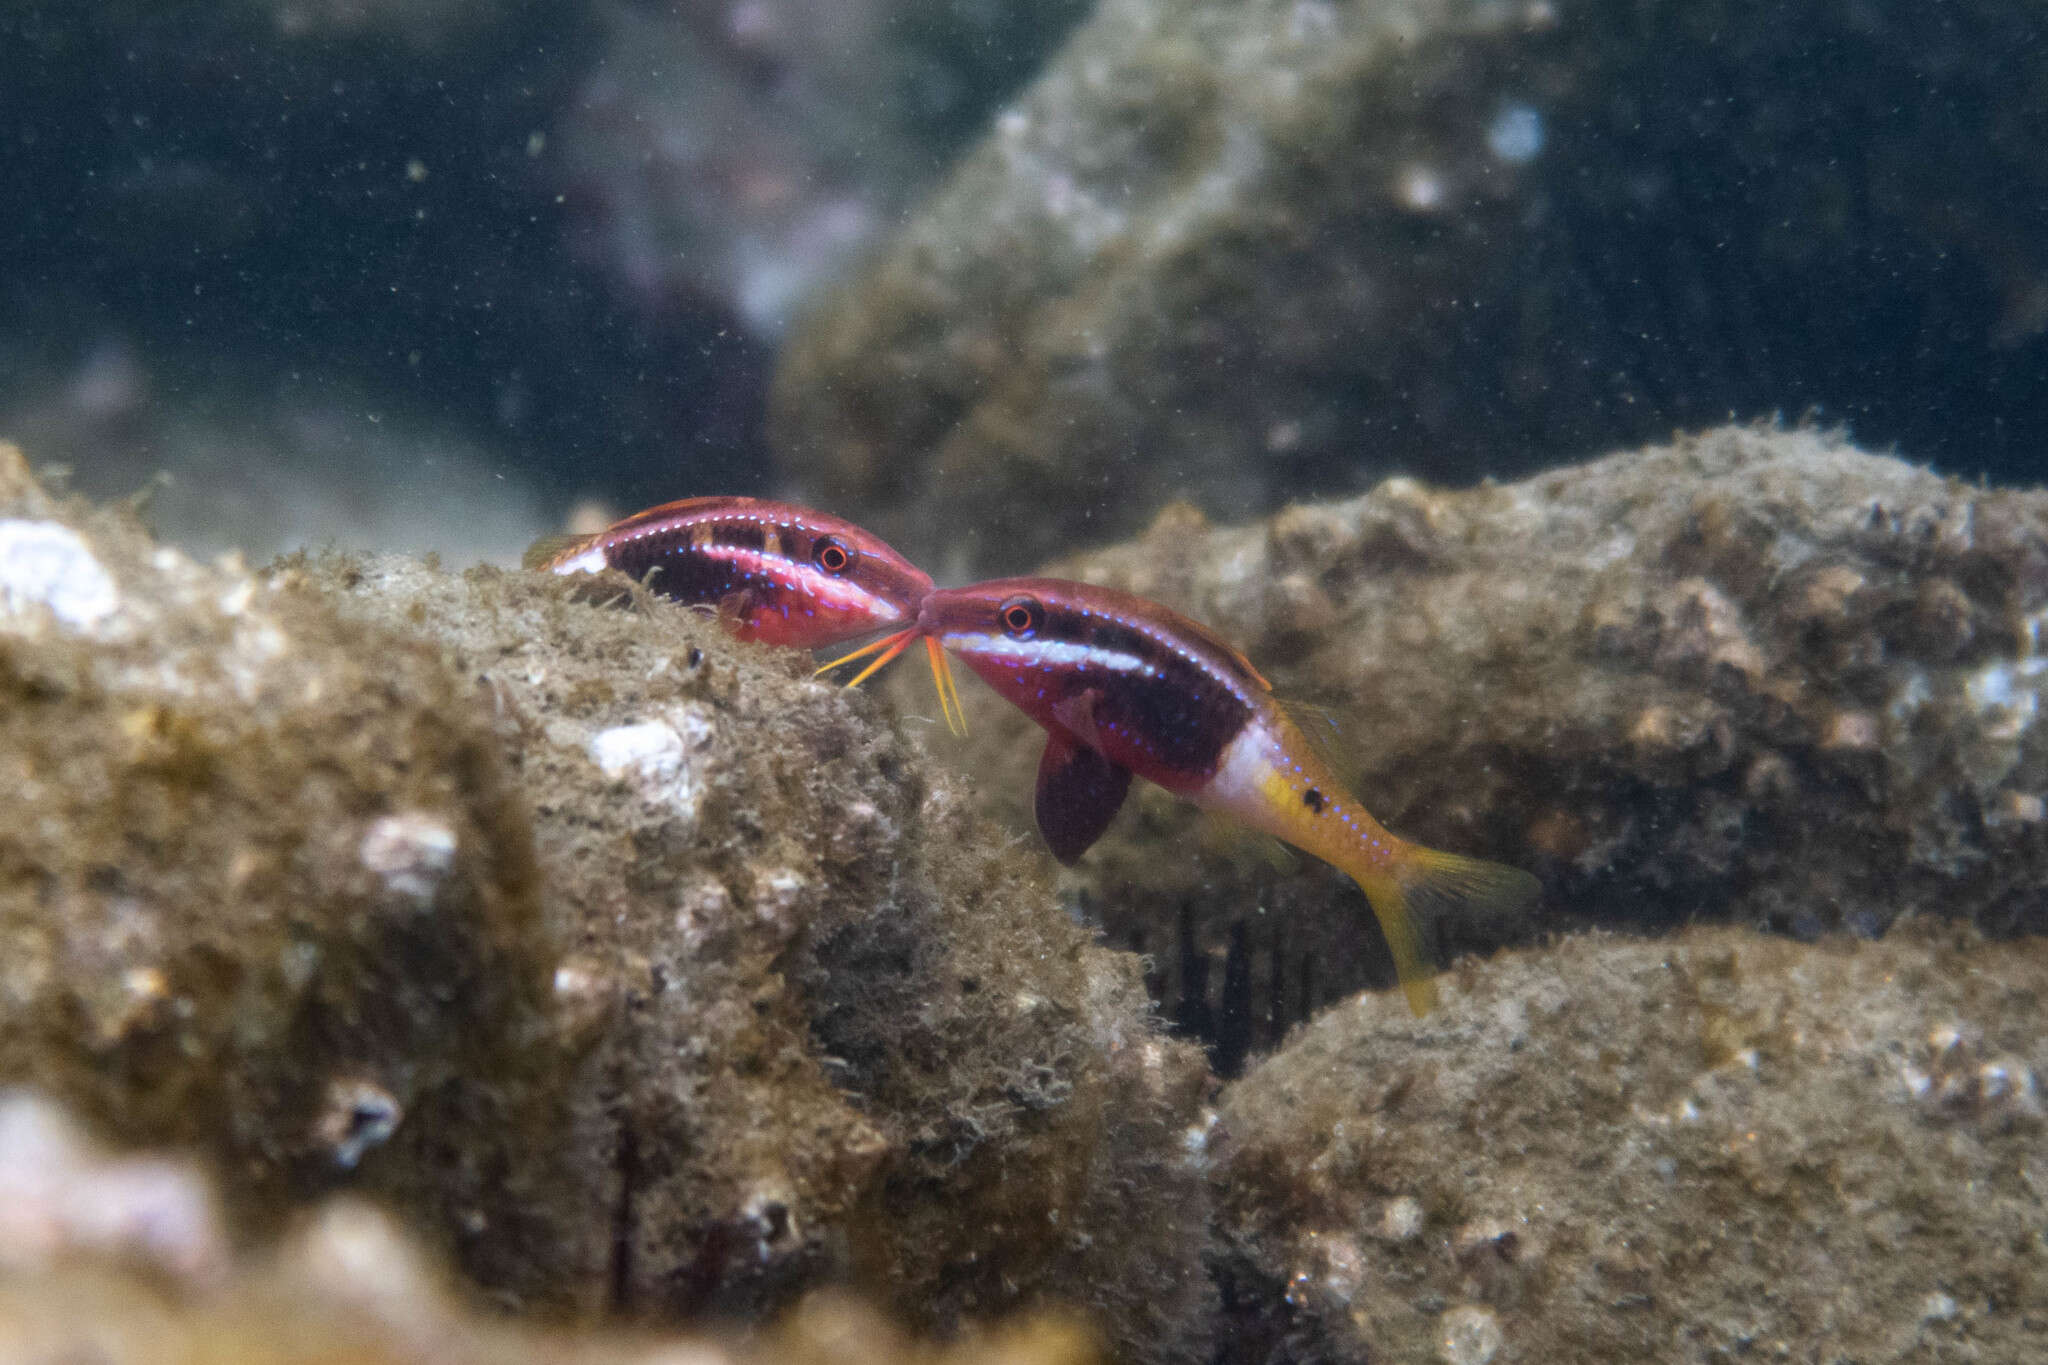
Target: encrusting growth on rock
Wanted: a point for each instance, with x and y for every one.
(1754, 675)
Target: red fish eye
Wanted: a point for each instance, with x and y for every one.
(831, 554)
(1021, 616)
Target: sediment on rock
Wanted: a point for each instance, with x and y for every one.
(1755, 675)
(125, 1260)
(267, 889)
(1615, 1150)
(832, 1027)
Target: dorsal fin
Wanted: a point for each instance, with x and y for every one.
(682, 508)
(550, 550)
(1209, 637)
(1321, 730)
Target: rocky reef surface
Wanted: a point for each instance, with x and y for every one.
(642, 972)
(126, 1260)
(648, 983)
(1244, 253)
(267, 885)
(1755, 675)
(1709, 1148)
(839, 1027)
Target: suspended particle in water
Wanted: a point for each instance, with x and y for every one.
(1516, 134)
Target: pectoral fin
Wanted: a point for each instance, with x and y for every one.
(1079, 792)
(737, 612)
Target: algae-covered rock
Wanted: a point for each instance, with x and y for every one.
(1610, 1150)
(266, 887)
(122, 1260)
(1755, 675)
(836, 1026)
(639, 970)
(1245, 250)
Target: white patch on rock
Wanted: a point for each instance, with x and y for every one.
(1912, 694)
(1402, 1220)
(1469, 1335)
(412, 853)
(357, 1115)
(776, 898)
(703, 911)
(1419, 189)
(47, 565)
(237, 598)
(1516, 134)
(663, 758)
(2007, 696)
(649, 751)
(61, 1196)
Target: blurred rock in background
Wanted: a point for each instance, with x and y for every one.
(1237, 253)
(126, 1260)
(307, 461)
(537, 252)
(749, 150)
(1247, 253)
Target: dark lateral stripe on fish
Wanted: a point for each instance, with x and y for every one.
(740, 535)
(1185, 708)
(681, 570)
(1181, 719)
(1178, 708)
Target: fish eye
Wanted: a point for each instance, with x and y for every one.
(831, 554)
(1021, 616)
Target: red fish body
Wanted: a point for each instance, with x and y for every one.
(773, 571)
(1125, 687)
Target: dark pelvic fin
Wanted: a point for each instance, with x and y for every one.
(1079, 793)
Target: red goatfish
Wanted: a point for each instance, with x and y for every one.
(1124, 686)
(773, 571)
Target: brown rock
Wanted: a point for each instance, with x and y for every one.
(122, 1260)
(1611, 1150)
(266, 887)
(1242, 254)
(836, 1028)
(1697, 680)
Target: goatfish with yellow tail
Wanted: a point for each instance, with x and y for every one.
(1123, 687)
(773, 571)
(770, 571)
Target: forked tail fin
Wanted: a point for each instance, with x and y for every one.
(1424, 882)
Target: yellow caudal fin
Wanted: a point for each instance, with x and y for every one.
(1424, 882)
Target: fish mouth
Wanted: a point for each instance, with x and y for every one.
(885, 651)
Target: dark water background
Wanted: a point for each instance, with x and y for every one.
(287, 248)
